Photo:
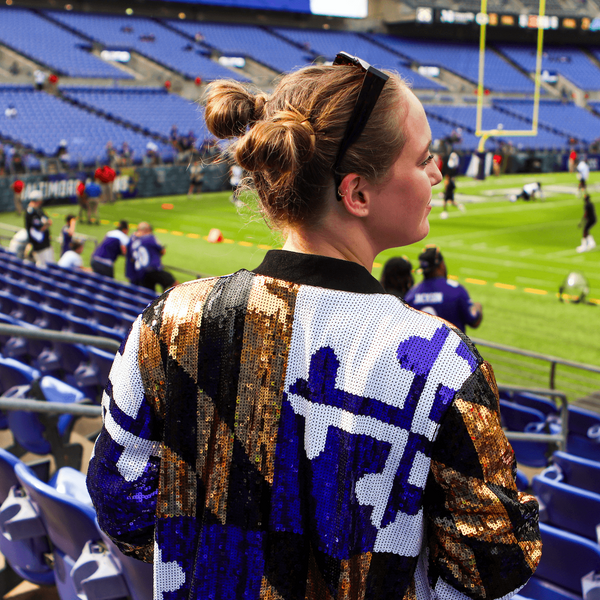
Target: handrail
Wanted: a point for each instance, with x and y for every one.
(560, 438)
(52, 335)
(553, 360)
(27, 404)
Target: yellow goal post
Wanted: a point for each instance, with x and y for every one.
(485, 134)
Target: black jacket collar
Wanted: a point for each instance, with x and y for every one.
(319, 271)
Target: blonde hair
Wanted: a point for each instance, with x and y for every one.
(289, 141)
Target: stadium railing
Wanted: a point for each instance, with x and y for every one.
(514, 366)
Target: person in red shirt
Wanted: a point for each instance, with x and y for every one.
(105, 177)
(17, 187)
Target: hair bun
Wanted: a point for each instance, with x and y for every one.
(230, 108)
(282, 143)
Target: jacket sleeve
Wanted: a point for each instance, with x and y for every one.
(123, 472)
(483, 534)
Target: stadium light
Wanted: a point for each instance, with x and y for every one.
(482, 19)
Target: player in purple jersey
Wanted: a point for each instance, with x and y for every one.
(441, 297)
(144, 264)
(112, 246)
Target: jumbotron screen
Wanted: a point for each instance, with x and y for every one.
(334, 8)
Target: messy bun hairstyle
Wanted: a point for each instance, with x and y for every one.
(289, 141)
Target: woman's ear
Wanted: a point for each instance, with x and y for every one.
(353, 194)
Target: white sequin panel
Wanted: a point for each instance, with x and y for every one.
(128, 394)
(168, 576)
(128, 390)
(364, 332)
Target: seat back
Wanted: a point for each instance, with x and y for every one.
(7, 473)
(14, 372)
(516, 417)
(568, 507)
(566, 558)
(541, 403)
(578, 471)
(69, 522)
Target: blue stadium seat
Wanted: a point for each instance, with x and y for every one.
(535, 401)
(42, 433)
(566, 558)
(584, 433)
(567, 507)
(24, 549)
(578, 471)
(86, 564)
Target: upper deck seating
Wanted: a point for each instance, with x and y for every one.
(463, 59)
(329, 43)
(247, 41)
(149, 38)
(52, 46)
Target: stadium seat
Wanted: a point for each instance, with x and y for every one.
(43, 433)
(529, 420)
(94, 374)
(566, 558)
(86, 564)
(23, 540)
(535, 401)
(578, 471)
(584, 433)
(565, 506)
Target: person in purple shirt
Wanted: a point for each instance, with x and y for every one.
(143, 264)
(440, 296)
(112, 246)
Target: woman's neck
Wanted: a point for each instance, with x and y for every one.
(340, 242)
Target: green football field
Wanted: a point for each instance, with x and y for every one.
(512, 257)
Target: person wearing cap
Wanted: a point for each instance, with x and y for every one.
(397, 277)
(37, 224)
(440, 296)
(112, 246)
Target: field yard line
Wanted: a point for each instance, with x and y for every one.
(517, 265)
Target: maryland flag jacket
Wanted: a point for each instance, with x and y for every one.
(296, 433)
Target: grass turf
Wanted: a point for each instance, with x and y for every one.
(512, 257)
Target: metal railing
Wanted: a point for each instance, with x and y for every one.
(87, 410)
(533, 369)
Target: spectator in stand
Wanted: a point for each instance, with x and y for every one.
(397, 277)
(440, 296)
(144, 265)
(174, 136)
(572, 160)
(236, 174)
(37, 224)
(583, 174)
(152, 156)
(126, 155)
(587, 222)
(39, 77)
(453, 164)
(111, 154)
(105, 176)
(196, 177)
(11, 112)
(17, 187)
(72, 259)
(112, 246)
(67, 233)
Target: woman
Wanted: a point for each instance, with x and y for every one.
(295, 432)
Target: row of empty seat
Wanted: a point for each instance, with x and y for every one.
(64, 39)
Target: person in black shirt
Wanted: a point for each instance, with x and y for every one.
(37, 224)
(587, 222)
(449, 187)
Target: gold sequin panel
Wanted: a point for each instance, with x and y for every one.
(267, 337)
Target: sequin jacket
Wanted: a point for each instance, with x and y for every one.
(294, 432)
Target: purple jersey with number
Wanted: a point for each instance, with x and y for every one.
(444, 298)
(143, 255)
